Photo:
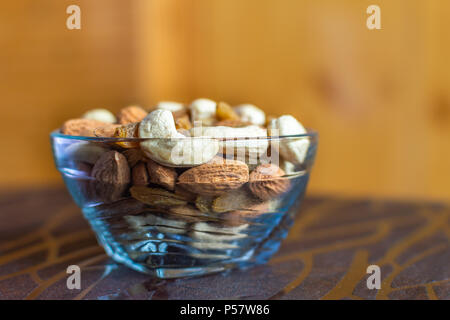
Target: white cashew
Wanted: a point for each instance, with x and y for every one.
(287, 167)
(102, 115)
(252, 147)
(250, 113)
(292, 149)
(170, 106)
(158, 124)
(203, 110)
(170, 147)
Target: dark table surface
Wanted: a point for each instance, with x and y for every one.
(325, 256)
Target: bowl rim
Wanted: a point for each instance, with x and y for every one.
(57, 134)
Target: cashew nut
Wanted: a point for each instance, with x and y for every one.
(170, 147)
(251, 114)
(100, 115)
(158, 124)
(170, 106)
(251, 146)
(203, 110)
(291, 149)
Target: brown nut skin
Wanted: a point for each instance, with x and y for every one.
(133, 156)
(157, 197)
(240, 199)
(161, 175)
(83, 168)
(139, 175)
(131, 114)
(266, 181)
(106, 131)
(215, 177)
(191, 197)
(111, 175)
(81, 127)
(204, 203)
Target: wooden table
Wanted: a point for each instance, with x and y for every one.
(325, 256)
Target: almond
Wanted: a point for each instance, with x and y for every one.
(185, 211)
(163, 176)
(81, 127)
(190, 214)
(131, 114)
(235, 200)
(267, 182)
(215, 177)
(204, 203)
(157, 197)
(189, 196)
(139, 175)
(250, 212)
(106, 131)
(133, 156)
(111, 175)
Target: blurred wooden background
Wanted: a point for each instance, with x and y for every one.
(380, 99)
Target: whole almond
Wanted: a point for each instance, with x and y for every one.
(157, 197)
(111, 175)
(81, 127)
(251, 211)
(215, 177)
(133, 156)
(185, 211)
(131, 114)
(139, 175)
(161, 175)
(191, 214)
(188, 212)
(188, 195)
(266, 181)
(235, 200)
(106, 131)
(204, 203)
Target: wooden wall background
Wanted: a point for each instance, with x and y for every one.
(379, 99)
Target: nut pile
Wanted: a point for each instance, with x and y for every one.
(192, 160)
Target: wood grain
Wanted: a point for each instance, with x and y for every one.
(380, 99)
(49, 74)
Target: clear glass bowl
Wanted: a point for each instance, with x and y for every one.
(171, 242)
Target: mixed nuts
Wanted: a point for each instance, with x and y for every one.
(194, 160)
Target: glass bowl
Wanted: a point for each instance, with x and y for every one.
(190, 236)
